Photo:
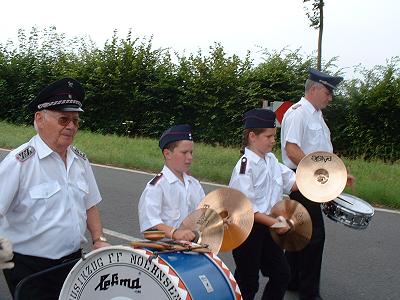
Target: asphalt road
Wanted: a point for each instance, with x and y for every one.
(358, 264)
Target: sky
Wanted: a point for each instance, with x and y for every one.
(362, 32)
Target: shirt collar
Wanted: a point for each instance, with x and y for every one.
(43, 150)
(41, 147)
(171, 177)
(251, 155)
(307, 104)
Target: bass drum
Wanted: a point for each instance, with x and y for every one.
(125, 273)
(349, 210)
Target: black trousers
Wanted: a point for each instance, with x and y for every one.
(260, 253)
(44, 287)
(305, 265)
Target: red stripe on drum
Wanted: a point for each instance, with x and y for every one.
(165, 267)
(175, 279)
(227, 272)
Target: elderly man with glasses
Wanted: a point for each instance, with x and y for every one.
(49, 193)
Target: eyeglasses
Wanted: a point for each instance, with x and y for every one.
(64, 121)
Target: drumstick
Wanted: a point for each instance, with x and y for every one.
(344, 200)
(150, 245)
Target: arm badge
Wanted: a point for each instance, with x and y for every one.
(26, 153)
(79, 152)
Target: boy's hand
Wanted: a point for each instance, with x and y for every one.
(6, 254)
(281, 226)
(184, 234)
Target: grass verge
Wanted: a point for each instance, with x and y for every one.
(376, 181)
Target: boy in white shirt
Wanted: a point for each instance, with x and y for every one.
(172, 194)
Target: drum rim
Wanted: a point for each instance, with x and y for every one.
(354, 198)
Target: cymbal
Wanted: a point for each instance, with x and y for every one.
(208, 224)
(237, 214)
(301, 226)
(321, 176)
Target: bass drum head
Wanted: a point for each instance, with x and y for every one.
(119, 273)
(125, 273)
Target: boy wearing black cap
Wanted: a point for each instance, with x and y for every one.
(49, 193)
(260, 176)
(172, 194)
(304, 131)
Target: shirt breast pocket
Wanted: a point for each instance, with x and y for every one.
(315, 133)
(42, 197)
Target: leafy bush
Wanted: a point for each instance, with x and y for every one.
(133, 89)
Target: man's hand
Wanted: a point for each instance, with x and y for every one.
(6, 254)
(351, 180)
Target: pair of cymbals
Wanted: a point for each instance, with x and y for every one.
(321, 176)
(298, 219)
(208, 224)
(236, 212)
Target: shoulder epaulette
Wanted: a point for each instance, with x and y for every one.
(25, 153)
(78, 152)
(243, 165)
(156, 179)
(296, 106)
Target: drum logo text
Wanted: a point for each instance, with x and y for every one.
(105, 283)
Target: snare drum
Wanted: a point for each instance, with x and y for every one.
(349, 210)
(120, 272)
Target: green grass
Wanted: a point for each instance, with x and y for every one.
(376, 181)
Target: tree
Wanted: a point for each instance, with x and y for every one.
(316, 16)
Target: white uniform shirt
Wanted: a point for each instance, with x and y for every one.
(42, 203)
(305, 126)
(169, 201)
(264, 181)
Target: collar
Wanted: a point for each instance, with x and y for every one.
(41, 147)
(171, 177)
(253, 156)
(307, 104)
(43, 150)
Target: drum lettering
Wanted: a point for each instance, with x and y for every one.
(116, 256)
(73, 295)
(155, 271)
(131, 283)
(84, 276)
(166, 282)
(114, 279)
(105, 283)
(172, 292)
(147, 264)
(137, 260)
